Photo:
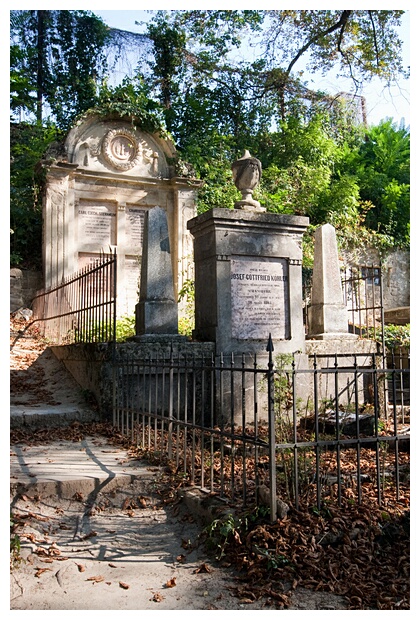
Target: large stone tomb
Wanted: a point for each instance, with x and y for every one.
(98, 190)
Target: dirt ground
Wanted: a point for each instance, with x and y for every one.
(125, 550)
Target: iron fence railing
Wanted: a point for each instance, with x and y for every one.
(83, 307)
(362, 296)
(237, 426)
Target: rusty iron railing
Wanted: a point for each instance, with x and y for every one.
(83, 307)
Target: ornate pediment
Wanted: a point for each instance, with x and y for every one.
(117, 147)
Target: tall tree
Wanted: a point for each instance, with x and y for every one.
(60, 53)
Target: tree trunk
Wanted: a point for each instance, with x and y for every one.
(40, 64)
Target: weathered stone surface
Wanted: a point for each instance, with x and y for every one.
(248, 280)
(98, 190)
(397, 316)
(157, 311)
(24, 285)
(327, 314)
(246, 175)
(347, 423)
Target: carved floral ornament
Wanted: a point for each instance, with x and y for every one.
(123, 150)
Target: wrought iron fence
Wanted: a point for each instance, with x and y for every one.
(362, 296)
(83, 307)
(239, 428)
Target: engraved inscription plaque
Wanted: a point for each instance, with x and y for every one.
(96, 226)
(260, 298)
(134, 227)
(132, 281)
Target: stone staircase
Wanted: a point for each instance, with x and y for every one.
(42, 392)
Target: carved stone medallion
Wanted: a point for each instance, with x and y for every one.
(121, 149)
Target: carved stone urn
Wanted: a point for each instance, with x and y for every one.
(246, 176)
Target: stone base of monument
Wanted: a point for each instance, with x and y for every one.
(158, 338)
(156, 317)
(328, 321)
(333, 336)
(250, 205)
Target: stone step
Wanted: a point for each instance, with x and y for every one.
(44, 415)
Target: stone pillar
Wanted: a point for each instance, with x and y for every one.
(157, 311)
(327, 314)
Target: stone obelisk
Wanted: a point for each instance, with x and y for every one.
(157, 310)
(327, 314)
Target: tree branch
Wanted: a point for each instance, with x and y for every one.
(374, 37)
(340, 24)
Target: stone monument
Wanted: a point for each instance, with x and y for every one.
(327, 314)
(248, 273)
(99, 187)
(157, 310)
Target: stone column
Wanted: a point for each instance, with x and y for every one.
(56, 257)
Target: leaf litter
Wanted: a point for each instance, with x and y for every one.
(358, 552)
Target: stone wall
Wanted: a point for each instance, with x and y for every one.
(24, 285)
(395, 271)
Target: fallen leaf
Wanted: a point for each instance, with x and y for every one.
(90, 535)
(142, 501)
(39, 571)
(181, 558)
(81, 567)
(157, 597)
(171, 583)
(203, 569)
(96, 579)
(112, 565)
(123, 585)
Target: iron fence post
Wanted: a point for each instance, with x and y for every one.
(271, 432)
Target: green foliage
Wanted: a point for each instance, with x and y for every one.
(125, 328)
(186, 320)
(381, 165)
(169, 43)
(28, 144)
(395, 336)
(130, 100)
(15, 557)
(229, 529)
(59, 54)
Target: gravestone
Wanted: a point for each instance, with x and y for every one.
(99, 187)
(248, 280)
(157, 310)
(327, 314)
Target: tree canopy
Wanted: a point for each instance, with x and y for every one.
(221, 82)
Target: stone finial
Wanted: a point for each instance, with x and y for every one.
(246, 175)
